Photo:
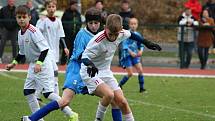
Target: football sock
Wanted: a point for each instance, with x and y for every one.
(129, 117)
(33, 103)
(56, 87)
(44, 111)
(116, 114)
(101, 110)
(141, 81)
(124, 80)
(66, 110)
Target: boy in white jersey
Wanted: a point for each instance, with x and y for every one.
(96, 62)
(52, 29)
(34, 47)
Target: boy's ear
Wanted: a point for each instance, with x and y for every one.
(29, 17)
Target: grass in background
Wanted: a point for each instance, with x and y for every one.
(166, 99)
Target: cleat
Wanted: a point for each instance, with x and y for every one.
(25, 118)
(142, 90)
(74, 117)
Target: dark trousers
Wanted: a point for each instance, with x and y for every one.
(185, 53)
(203, 56)
(9, 35)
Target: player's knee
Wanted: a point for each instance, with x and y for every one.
(122, 102)
(46, 95)
(55, 73)
(28, 91)
(130, 75)
(109, 96)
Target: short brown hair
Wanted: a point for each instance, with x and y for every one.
(114, 22)
(93, 14)
(22, 9)
(47, 2)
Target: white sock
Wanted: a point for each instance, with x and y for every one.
(66, 110)
(33, 103)
(129, 117)
(101, 110)
(56, 87)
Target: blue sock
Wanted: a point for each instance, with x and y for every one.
(124, 80)
(141, 81)
(116, 115)
(44, 111)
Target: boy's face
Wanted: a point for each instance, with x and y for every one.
(93, 25)
(23, 20)
(51, 8)
(188, 12)
(112, 36)
(133, 24)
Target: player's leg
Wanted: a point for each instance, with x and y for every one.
(139, 69)
(126, 77)
(123, 105)
(100, 89)
(128, 65)
(29, 90)
(116, 112)
(54, 105)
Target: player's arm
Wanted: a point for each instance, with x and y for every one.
(66, 50)
(40, 60)
(91, 68)
(146, 42)
(18, 58)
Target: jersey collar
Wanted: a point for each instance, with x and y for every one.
(24, 30)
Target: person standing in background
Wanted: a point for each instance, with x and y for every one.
(99, 4)
(9, 27)
(186, 44)
(34, 13)
(205, 38)
(72, 23)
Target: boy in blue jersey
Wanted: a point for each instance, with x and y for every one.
(131, 56)
(73, 83)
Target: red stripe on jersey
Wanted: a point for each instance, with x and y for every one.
(100, 38)
(32, 29)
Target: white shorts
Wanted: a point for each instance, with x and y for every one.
(104, 76)
(43, 80)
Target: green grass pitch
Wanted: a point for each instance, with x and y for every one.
(166, 99)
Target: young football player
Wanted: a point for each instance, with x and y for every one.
(52, 29)
(131, 56)
(96, 62)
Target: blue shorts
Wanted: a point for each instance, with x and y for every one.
(73, 79)
(130, 61)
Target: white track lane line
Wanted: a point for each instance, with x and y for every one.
(172, 108)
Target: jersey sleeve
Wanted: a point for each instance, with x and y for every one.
(60, 29)
(41, 25)
(39, 40)
(124, 34)
(79, 45)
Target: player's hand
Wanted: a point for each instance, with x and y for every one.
(37, 68)
(133, 54)
(10, 66)
(66, 51)
(139, 54)
(92, 70)
(153, 46)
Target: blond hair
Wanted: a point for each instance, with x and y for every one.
(114, 23)
(47, 2)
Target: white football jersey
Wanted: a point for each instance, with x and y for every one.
(52, 31)
(101, 51)
(31, 43)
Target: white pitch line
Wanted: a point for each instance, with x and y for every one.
(145, 74)
(2, 73)
(173, 108)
